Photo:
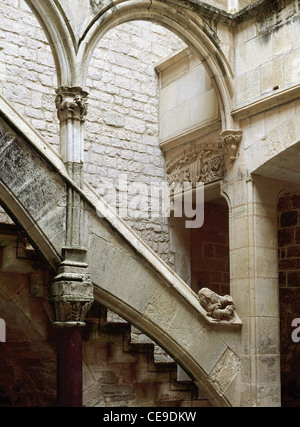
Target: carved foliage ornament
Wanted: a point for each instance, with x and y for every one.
(206, 163)
(71, 293)
(70, 313)
(231, 140)
(71, 103)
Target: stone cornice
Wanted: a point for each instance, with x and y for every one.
(216, 14)
(268, 102)
(260, 7)
(219, 15)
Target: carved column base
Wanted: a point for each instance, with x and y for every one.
(71, 294)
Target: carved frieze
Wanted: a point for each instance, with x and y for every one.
(204, 165)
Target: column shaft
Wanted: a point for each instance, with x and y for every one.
(69, 367)
(254, 286)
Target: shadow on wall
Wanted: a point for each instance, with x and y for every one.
(289, 291)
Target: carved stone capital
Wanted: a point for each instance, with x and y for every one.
(231, 140)
(71, 294)
(71, 103)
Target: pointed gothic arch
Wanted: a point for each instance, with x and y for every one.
(60, 37)
(72, 56)
(185, 23)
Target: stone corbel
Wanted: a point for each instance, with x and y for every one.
(71, 294)
(231, 140)
(219, 309)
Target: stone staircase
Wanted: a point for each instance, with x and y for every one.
(133, 370)
(122, 366)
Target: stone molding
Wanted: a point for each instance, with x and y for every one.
(71, 294)
(276, 99)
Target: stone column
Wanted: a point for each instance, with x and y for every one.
(71, 296)
(71, 103)
(254, 286)
(72, 291)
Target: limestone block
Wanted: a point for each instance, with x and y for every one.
(119, 270)
(182, 326)
(266, 234)
(114, 119)
(296, 32)
(268, 368)
(207, 347)
(168, 98)
(282, 39)
(292, 67)
(238, 239)
(267, 297)
(267, 335)
(272, 75)
(162, 308)
(203, 108)
(272, 144)
(241, 299)
(269, 395)
(174, 122)
(191, 85)
(225, 370)
(254, 156)
(240, 267)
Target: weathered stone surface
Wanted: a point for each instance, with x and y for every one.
(251, 56)
(114, 119)
(35, 184)
(225, 370)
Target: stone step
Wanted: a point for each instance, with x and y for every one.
(126, 346)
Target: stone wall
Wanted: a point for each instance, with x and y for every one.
(210, 251)
(267, 54)
(122, 130)
(187, 97)
(289, 289)
(122, 124)
(230, 5)
(27, 70)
